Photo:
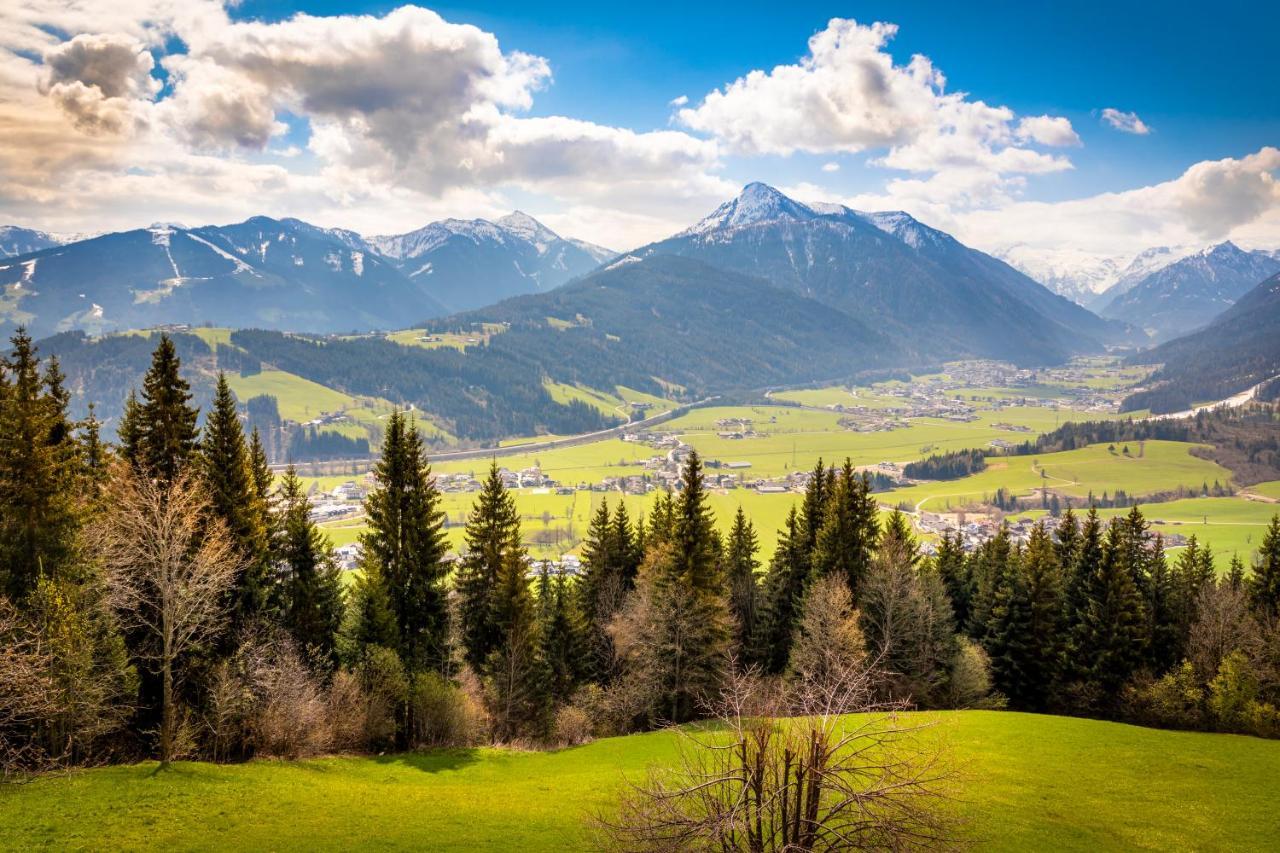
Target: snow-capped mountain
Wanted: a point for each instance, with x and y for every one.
(1190, 292)
(916, 282)
(16, 240)
(1088, 278)
(262, 272)
(467, 263)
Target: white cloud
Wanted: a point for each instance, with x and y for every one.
(1125, 122)
(404, 105)
(678, 101)
(1047, 130)
(847, 96)
(831, 167)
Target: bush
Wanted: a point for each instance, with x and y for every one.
(573, 726)
(443, 714)
(970, 683)
(1175, 700)
(385, 686)
(1231, 693)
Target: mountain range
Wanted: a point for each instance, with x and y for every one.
(1189, 292)
(919, 284)
(1239, 349)
(276, 274)
(1085, 277)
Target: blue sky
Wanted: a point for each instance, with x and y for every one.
(381, 117)
(1203, 76)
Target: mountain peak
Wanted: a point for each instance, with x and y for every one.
(526, 227)
(758, 202)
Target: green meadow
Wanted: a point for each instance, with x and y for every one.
(1025, 782)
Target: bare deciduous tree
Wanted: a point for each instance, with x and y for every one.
(169, 564)
(820, 780)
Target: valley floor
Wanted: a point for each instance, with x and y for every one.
(1030, 782)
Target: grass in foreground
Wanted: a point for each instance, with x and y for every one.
(1033, 782)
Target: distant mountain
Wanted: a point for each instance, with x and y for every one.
(467, 263)
(651, 323)
(1145, 263)
(913, 282)
(1188, 293)
(261, 273)
(1238, 350)
(15, 240)
(1087, 278)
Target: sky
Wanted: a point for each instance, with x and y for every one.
(1062, 133)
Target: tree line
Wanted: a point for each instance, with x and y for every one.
(172, 584)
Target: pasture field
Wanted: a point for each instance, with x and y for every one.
(1162, 466)
(1230, 525)
(1268, 490)
(1025, 782)
(433, 340)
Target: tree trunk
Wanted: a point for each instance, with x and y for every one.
(166, 713)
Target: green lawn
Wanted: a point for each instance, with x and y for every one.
(1162, 466)
(1029, 782)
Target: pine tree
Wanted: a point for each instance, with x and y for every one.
(233, 497)
(407, 542)
(159, 434)
(813, 509)
(369, 622)
(1109, 639)
(492, 534)
(311, 580)
(628, 551)
(1067, 540)
(600, 590)
(1236, 573)
(39, 466)
(741, 562)
(952, 568)
(1088, 559)
(1165, 648)
(848, 534)
(1187, 580)
(94, 454)
(514, 672)
(1008, 638)
(1264, 583)
(561, 632)
(989, 568)
(696, 544)
(782, 598)
(1041, 578)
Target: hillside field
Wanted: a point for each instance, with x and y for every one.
(1028, 782)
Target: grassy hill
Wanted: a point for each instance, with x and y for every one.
(1031, 782)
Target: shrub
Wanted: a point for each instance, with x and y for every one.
(385, 686)
(443, 714)
(970, 683)
(1232, 691)
(573, 726)
(1176, 700)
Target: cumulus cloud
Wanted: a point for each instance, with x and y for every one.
(848, 95)
(1125, 122)
(101, 82)
(1047, 130)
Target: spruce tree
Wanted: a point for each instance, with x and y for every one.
(848, 534)
(1008, 638)
(1066, 538)
(599, 591)
(1187, 580)
(1086, 563)
(952, 568)
(561, 632)
(311, 581)
(1041, 576)
(782, 598)
(369, 622)
(39, 469)
(492, 534)
(1109, 639)
(233, 497)
(1264, 583)
(696, 544)
(159, 434)
(813, 509)
(407, 542)
(628, 550)
(741, 563)
(990, 567)
(1165, 648)
(514, 671)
